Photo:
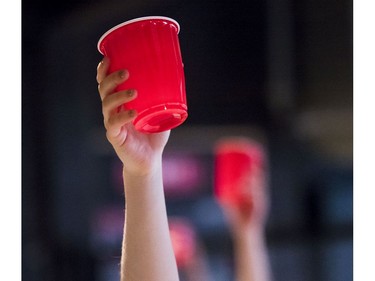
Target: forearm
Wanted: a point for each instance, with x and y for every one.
(251, 257)
(147, 252)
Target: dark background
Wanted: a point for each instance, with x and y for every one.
(277, 71)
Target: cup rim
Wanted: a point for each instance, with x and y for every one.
(237, 144)
(133, 21)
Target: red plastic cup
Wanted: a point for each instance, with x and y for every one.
(237, 160)
(149, 49)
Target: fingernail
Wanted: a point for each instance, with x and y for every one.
(104, 60)
(130, 93)
(132, 113)
(122, 74)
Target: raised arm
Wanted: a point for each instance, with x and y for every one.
(247, 224)
(147, 253)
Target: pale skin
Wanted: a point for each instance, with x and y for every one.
(147, 253)
(247, 224)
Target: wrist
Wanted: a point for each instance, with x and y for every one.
(144, 175)
(143, 167)
(249, 233)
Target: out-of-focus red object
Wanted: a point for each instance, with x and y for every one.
(237, 160)
(184, 241)
(149, 49)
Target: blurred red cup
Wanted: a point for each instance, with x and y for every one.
(238, 163)
(149, 49)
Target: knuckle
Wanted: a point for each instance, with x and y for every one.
(107, 123)
(99, 76)
(104, 112)
(100, 90)
(104, 103)
(108, 136)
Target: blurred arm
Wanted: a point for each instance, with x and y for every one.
(247, 224)
(251, 257)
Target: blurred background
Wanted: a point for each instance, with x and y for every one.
(279, 72)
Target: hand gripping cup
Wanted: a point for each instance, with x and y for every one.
(149, 49)
(239, 166)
